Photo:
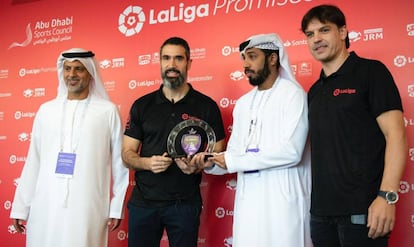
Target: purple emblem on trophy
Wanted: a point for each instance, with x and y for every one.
(190, 137)
(191, 142)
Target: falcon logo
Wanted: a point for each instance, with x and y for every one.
(131, 21)
(27, 41)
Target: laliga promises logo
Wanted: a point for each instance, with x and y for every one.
(224, 102)
(220, 212)
(132, 84)
(404, 187)
(122, 235)
(400, 61)
(131, 20)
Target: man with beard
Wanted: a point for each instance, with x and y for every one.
(167, 194)
(267, 148)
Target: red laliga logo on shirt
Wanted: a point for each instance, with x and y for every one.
(337, 92)
(185, 116)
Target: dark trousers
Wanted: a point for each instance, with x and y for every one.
(341, 232)
(146, 225)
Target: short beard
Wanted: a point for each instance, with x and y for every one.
(261, 75)
(173, 83)
(80, 87)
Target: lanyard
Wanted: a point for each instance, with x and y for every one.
(255, 126)
(63, 123)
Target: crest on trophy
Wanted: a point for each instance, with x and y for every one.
(190, 137)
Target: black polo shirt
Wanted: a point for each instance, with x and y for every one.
(151, 119)
(347, 145)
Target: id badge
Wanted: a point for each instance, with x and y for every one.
(65, 165)
(253, 149)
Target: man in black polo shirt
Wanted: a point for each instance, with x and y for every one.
(358, 141)
(166, 194)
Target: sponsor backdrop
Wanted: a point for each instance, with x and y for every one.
(126, 35)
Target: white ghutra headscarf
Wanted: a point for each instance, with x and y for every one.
(271, 41)
(96, 87)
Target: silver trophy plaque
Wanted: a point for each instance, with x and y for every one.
(190, 137)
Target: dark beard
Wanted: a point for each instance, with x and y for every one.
(173, 83)
(261, 75)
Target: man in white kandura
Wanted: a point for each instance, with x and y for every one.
(268, 150)
(73, 184)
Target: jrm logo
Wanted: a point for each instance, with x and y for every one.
(373, 34)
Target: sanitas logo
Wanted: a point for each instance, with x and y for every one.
(132, 19)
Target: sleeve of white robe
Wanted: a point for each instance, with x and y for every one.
(283, 136)
(120, 174)
(28, 178)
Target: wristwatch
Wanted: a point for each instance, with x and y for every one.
(390, 196)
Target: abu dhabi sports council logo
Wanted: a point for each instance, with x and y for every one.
(27, 41)
(47, 31)
(131, 21)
